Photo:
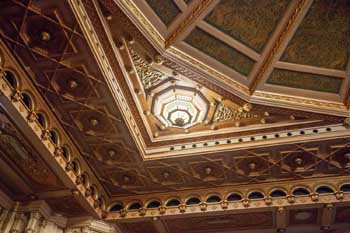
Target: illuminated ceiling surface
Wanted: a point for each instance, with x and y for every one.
(164, 103)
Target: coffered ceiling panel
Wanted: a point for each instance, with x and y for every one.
(166, 10)
(261, 50)
(249, 22)
(220, 51)
(322, 39)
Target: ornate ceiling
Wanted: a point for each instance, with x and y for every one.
(160, 100)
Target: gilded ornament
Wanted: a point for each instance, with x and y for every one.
(203, 206)
(245, 203)
(268, 201)
(123, 213)
(339, 195)
(208, 170)
(347, 122)
(252, 166)
(72, 84)
(45, 134)
(166, 175)
(69, 167)
(17, 96)
(148, 75)
(247, 107)
(32, 116)
(298, 161)
(281, 209)
(158, 59)
(314, 197)
(45, 36)
(329, 206)
(58, 151)
(79, 180)
(162, 210)
(224, 204)
(88, 192)
(290, 199)
(225, 113)
(142, 212)
(93, 122)
(182, 208)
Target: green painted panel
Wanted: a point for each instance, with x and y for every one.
(323, 38)
(166, 10)
(220, 51)
(306, 81)
(251, 21)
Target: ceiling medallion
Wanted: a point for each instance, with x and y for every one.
(45, 36)
(180, 107)
(72, 84)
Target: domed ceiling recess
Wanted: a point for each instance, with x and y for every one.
(209, 72)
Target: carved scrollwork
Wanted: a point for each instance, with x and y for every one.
(225, 113)
(148, 75)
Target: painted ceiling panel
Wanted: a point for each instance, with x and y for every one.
(220, 51)
(305, 81)
(250, 22)
(323, 38)
(166, 10)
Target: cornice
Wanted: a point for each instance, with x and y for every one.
(245, 204)
(312, 105)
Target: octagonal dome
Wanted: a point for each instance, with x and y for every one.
(180, 107)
